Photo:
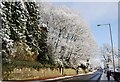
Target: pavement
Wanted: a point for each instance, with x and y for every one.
(104, 78)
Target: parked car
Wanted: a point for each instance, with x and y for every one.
(112, 70)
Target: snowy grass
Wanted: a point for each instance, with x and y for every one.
(21, 70)
(69, 71)
(30, 64)
(42, 73)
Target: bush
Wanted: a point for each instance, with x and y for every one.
(17, 63)
(83, 66)
(22, 52)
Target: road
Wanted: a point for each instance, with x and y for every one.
(81, 78)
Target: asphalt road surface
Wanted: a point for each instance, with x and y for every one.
(82, 78)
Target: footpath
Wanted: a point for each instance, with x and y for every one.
(104, 78)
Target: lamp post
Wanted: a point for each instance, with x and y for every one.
(111, 45)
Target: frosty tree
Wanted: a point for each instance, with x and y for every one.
(68, 34)
(13, 24)
(106, 52)
(37, 33)
(24, 38)
(32, 27)
(47, 33)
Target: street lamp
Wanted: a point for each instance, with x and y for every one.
(111, 44)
